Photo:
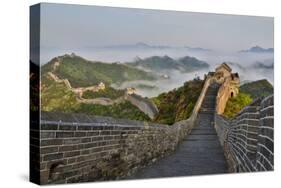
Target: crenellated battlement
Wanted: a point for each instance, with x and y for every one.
(247, 139)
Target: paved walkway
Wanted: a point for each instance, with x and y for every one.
(200, 152)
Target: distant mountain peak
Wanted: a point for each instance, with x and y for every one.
(141, 44)
(72, 54)
(165, 63)
(258, 49)
(258, 88)
(197, 49)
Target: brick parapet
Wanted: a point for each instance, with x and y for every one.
(78, 147)
(247, 139)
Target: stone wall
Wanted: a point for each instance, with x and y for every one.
(80, 148)
(145, 105)
(228, 89)
(207, 83)
(247, 139)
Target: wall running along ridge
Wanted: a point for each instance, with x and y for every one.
(144, 105)
(247, 139)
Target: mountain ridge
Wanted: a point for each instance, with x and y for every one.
(81, 72)
(145, 46)
(258, 88)
(158, 63)
(257, 49)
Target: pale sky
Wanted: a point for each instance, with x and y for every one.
(75, 26)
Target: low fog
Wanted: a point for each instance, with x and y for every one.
(176, 79)
(250, 66)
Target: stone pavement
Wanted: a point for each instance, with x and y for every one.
(199, 153)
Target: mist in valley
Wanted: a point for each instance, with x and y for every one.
(250, 66)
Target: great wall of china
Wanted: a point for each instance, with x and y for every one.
(81, 148)
(141, 103)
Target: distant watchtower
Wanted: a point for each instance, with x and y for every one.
(101, 86)
(223, 71)
(230, 83)
(131, 90)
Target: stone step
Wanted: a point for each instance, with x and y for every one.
(202, 136)
(208, 105)
(207, 110)
(199, 153)
(204, 108)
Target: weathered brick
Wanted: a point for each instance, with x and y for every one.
(50, 142)
(90, 145)
(72, 141)
(268, 122)
(95, 150)
(108, 128)
(80, 134)
(71, 160)
(98, 127)
(85, 140)
(67, 127)
(53, 156)
(70, 173)
(43, 166)
(48, 127)
(97, 138)
(115, 132)
(71, 153)
(105, 133)
(101, 143)
(84, 128)
(108, 137)
(46, 150)
(47, 134)
(64, 134)
(68, 148)
(85, 152)
(93, 133)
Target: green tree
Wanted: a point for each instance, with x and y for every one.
(235, 104)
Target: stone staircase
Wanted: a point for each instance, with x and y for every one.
(209, 102)
(199, 153)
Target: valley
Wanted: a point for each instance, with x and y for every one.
(70, 83)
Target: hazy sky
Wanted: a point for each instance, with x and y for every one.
(74, 26)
